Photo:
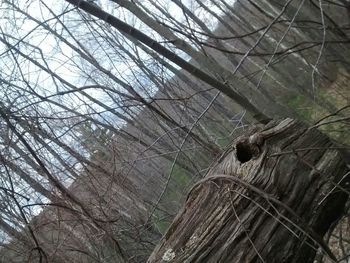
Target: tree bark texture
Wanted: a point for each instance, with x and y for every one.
(271, 197)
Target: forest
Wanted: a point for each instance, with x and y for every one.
(175, 131)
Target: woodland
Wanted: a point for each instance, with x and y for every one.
(175, 131)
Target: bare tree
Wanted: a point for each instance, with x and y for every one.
(111, 111)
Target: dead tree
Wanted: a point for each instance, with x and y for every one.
(270, 198)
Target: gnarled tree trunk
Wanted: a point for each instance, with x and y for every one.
(270, 198)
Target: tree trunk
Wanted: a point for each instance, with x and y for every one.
(270, 198)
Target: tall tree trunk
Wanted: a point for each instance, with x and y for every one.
(270, 198)
(222, 86)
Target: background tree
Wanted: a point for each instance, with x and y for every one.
(109, 116)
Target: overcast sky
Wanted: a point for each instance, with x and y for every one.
(60, 58)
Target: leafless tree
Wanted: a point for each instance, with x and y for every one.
(110, 113)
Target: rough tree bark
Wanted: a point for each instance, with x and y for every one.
(270, 198)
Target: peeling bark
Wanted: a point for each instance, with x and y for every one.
(270, 198)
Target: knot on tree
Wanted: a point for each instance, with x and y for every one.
(249, 148)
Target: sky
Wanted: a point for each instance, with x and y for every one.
(62, 60)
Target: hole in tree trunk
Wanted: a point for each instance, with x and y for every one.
(244, 152)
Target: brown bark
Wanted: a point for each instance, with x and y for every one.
(270, 198)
